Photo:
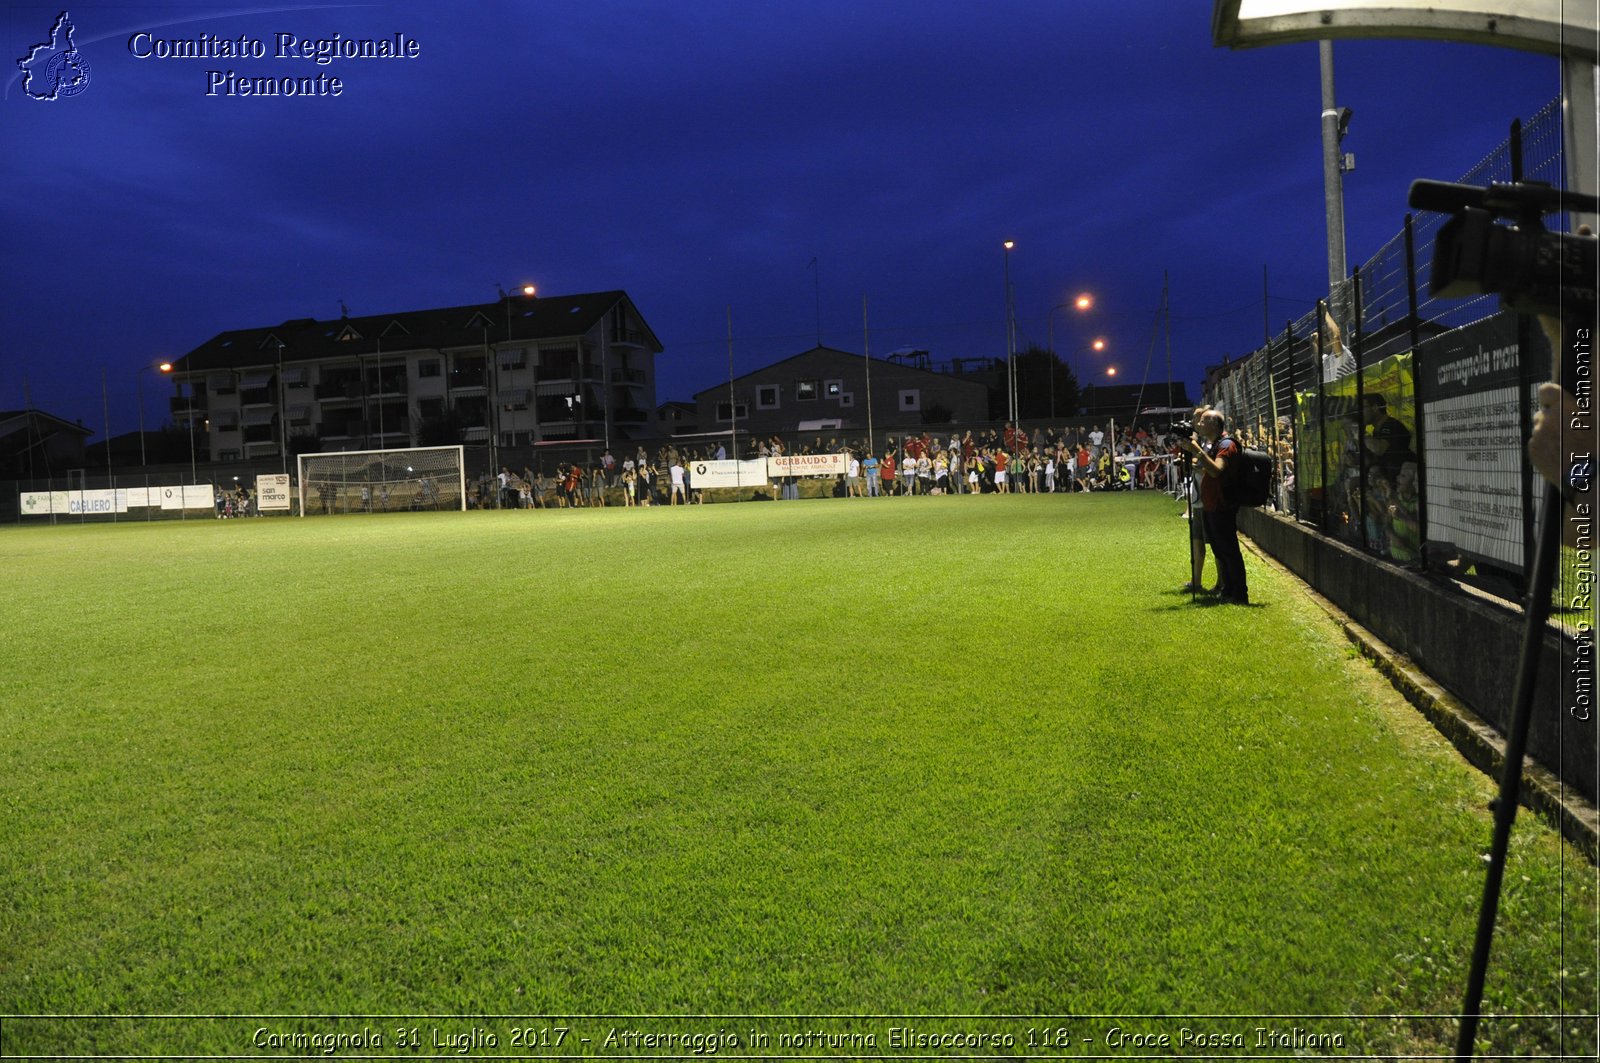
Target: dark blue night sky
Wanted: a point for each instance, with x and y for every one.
(701, 155)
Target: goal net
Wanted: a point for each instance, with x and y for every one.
(379, 481)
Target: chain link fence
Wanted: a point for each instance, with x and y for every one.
(1334, 396)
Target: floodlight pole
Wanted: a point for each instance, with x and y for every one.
(1332, 170)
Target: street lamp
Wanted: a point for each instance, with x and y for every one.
(1081, 303)
(1011, 341)
(138, 380)
(283, 415)
(168, 367)
(529, 291)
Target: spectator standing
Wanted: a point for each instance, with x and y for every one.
(1215, 452)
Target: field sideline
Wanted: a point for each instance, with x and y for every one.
(924, 756)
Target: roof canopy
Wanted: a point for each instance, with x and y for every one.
(1567, 28)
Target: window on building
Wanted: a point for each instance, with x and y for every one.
(428, 367)
(512, 360)
(741, 411)
(767, 397)
(911, 399)
(847, 399)
(833, 388)
(805, 390)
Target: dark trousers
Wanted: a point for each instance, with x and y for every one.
(1222, 532)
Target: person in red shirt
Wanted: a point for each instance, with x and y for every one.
(1001, 481)
(570, 487)
(886, 470)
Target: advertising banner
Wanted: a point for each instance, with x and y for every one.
(189, 496)
(73, 503)
(728, 473)
(272, 493)
(1470, 393)
(808, 465)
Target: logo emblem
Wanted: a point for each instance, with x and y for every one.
(55, 69)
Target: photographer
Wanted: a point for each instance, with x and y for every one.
(1215, 459)
(1197, 525)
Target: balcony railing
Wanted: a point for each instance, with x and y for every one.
(338, 390)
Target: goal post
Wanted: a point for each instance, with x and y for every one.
(379, 481)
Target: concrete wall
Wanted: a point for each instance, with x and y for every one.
(1469, 645)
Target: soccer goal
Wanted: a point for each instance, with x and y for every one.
(383, 481)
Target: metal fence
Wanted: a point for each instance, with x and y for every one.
(1310, 395)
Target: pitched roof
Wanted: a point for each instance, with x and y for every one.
(20, 416)
(543, 317)
(833, 354)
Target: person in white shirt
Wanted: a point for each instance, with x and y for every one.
(1337, 361)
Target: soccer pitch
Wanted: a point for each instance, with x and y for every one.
(968, 756)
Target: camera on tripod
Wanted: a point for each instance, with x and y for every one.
(1534, 271)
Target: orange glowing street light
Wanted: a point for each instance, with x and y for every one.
(1111, 370)
(1083, 302)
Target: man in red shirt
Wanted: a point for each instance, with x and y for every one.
(1221, 517)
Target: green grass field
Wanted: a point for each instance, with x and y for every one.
(965, 756)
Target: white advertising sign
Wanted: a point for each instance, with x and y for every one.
(189, 496)
(728, 473)
(42, 503)
(272, 492)
(73, 503)
(90, 503)
(808, 465)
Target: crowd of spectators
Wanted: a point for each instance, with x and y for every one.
(1007, 460)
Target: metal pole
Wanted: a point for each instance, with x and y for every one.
(1322, 414)
(194, 476)
(1414, 321)
(733, 419)
(1011, 346)
(283, 416)
(1537, 608)
(138, 383)
(1332, 179)
(105, 409)
(866, 358)
(1361, 407)
(1050, 342)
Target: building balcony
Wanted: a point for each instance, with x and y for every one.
(634, 377)
(626, 337)
(338, 391)
(388, 386)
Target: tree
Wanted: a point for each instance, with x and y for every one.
(1044, 379)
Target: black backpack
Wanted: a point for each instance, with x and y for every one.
(1249, 479)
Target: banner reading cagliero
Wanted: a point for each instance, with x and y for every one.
(272, 493)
